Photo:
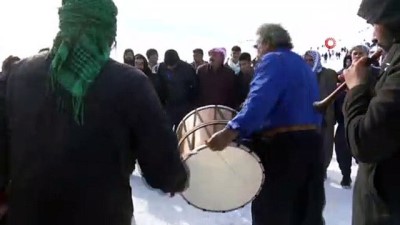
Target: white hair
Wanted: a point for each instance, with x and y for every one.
(275, 35)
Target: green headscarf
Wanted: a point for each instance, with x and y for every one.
(82, 47)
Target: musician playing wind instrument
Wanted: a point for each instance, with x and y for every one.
(279, 118)
(372, 121)
(76, 122)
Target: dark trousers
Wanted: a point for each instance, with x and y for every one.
(343, 154)
(327, 135)
(293, 191)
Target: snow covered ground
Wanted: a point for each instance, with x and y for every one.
(153, 208)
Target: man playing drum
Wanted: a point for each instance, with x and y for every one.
(279, 118)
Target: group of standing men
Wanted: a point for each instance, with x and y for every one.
(182, 87)
(73, 122)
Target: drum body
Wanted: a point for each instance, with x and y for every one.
(200, 124)
(204, 115)
(222, 181)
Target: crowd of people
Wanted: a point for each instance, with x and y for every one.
(182, 87)
(73, 122)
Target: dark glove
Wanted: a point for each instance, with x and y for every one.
(180, 183)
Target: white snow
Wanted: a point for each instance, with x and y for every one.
(154, 208)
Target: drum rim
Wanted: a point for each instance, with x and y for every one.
(243, 148)
(201, 108)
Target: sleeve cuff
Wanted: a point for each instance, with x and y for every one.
(358, 90)
(233, 125)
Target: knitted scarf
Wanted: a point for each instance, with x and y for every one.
(81, 48)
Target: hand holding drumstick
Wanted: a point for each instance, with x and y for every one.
(220, 140)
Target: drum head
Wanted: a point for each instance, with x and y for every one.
(222, 181)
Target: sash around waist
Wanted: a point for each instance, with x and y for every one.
(280, 130)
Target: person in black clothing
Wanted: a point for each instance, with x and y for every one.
(372, 121)
(346, 63)
(129, 57)
(180, 79)
(72, 124)
(245, 76)
(343, 153)
(152, 56)
(6, 66)
(198, 58)
(142, 64)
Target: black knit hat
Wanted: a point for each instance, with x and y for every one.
(171, 57)
(380, 11)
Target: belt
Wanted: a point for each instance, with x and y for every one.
(280, 130)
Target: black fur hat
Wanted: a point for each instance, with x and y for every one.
(380, 12)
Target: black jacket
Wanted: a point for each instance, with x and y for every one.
(181, 89)
(63, 173)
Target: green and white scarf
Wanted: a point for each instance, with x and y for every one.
(82, 47)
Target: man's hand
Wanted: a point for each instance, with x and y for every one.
(172, 194)
(180, 190)
(182, 183)
(356, 74)
(341, 81)
(220, 140)
(340, 78)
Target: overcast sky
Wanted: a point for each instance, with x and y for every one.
(184, 25)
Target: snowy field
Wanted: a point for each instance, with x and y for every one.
(153, 208)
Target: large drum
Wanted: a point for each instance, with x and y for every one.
(222, 181)
(219, 181)
(192, 131)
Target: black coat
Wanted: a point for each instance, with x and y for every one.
(372, 123)
(181, 89)
(65, 174)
